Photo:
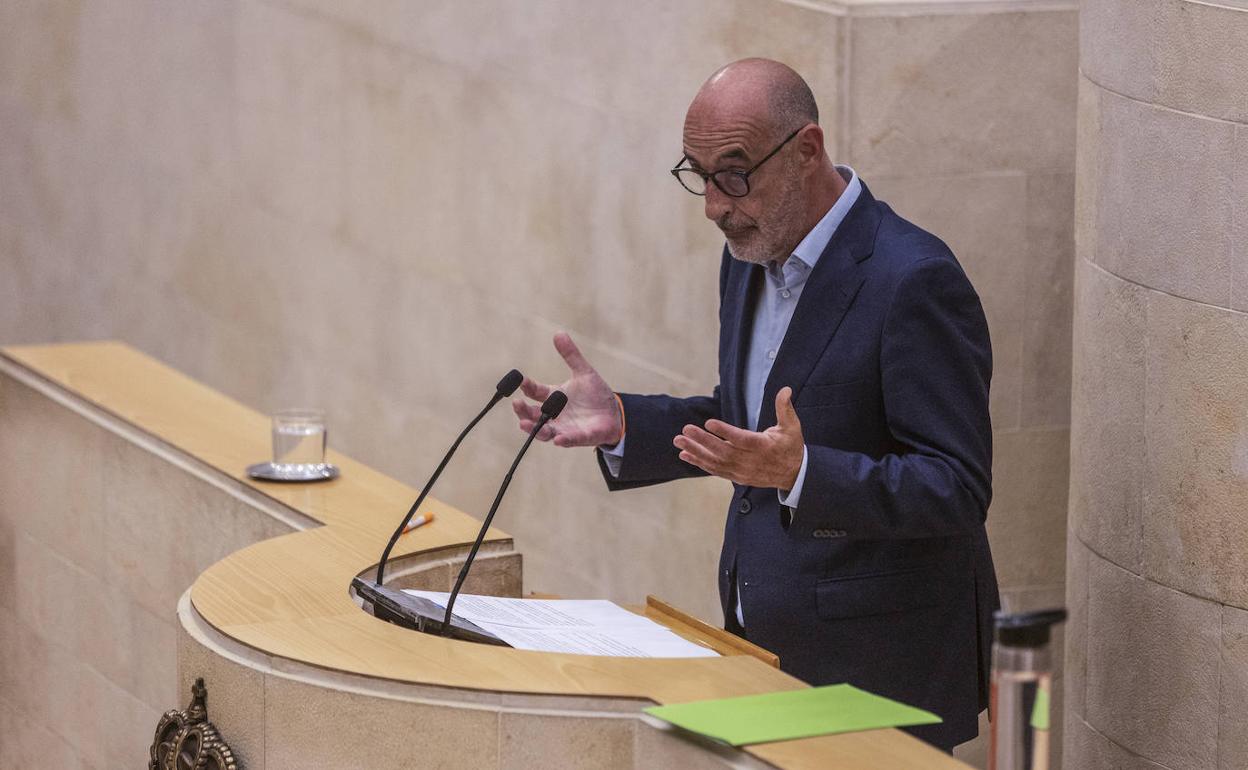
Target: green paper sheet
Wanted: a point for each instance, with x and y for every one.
(1040, 711)
(783, 716)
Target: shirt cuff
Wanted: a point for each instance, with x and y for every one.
(614, 457)
(791, 498)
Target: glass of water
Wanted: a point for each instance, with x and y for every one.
(299, 439)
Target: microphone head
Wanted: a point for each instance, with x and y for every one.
(554, 404)
(511, 380)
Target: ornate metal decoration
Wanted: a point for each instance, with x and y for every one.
(186, 740)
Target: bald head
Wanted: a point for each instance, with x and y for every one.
(756, 151)
(760, 90)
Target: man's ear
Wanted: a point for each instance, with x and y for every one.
(810, 144)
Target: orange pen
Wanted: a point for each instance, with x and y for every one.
(419, 521)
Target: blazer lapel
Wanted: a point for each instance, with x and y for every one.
(827, 296)
(743, 280)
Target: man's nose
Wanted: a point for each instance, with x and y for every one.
(717, 203)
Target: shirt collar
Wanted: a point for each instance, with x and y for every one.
(812, 246)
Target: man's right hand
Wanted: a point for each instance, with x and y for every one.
(592, 416)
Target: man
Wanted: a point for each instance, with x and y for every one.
(851, 415)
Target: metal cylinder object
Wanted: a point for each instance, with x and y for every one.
(1022, 686)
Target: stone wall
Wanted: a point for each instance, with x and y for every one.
(1157, 659)
(101, 530)
(381, 207)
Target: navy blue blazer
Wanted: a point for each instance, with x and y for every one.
(882, 576)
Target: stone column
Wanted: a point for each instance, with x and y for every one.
(1157, 573)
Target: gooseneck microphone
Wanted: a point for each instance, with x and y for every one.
(551, 408)
(505, 388)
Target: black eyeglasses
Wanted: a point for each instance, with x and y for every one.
(732, 183)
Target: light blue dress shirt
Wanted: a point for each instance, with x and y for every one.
(781, 291)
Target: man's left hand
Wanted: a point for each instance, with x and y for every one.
(770, 459)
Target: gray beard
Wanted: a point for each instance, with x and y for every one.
(767, 240)
(749, 256)
(753, 256)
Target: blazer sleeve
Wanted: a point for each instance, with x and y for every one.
(935, 368)
(653, 421)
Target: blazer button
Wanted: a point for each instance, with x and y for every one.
(744, 506)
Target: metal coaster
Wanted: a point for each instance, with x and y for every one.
(271, 472)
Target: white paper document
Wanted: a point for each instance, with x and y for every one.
(580, 626)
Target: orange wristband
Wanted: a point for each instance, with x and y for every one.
(623, 421)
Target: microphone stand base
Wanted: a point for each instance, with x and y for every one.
(418, 614)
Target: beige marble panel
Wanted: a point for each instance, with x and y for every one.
(158, 78)
(289, 119)
(992, 91)
(140, 655)
(1047, 319)
(983, 219)
(112, 73)
(8, 654)
(1152, 668)
(46, 598)
(408, 129)
(1185, 54)
(1163, 205)
(51, 682)
(26, 743)
(575, 54)
(1196, 428)
(565, 258)
(52, 464)
(431, 143)
(557, 742)
(1087, 749)
(1160, 203)
(12, 312)
(1027, 520)
(1087, 165)
(1108, 433)
(295, 714)
(579, 239)
(1232, 727)
(1057, 729)
(8, 558)
(31, 687)
(1075, 663)
(1239, 221)
(39, 49)
(92, 250)
(188, 120)
(51, 160)
(122, 733)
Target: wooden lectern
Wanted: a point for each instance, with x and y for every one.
(126, 480)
